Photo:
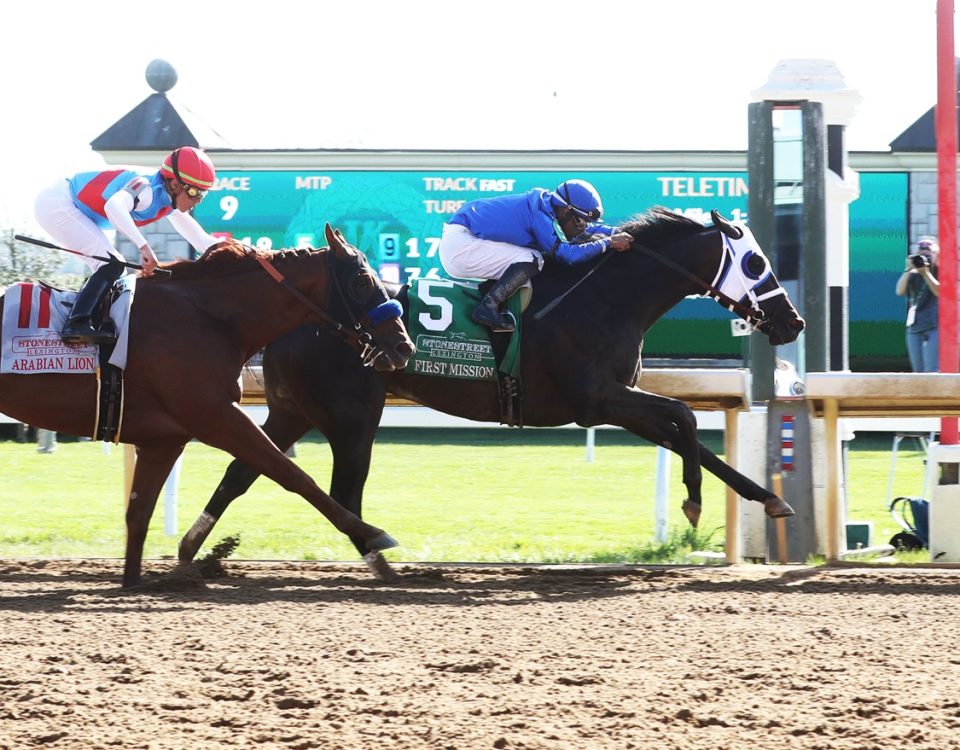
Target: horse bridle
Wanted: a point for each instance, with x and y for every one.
(357, 334)
(754, 316)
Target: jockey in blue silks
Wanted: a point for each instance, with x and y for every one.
(507, 238)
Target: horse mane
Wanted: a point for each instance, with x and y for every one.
(228, 257)
(654, 227)
(659, 225)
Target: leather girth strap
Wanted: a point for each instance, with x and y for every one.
(510, 390)
(509, 387)
(109, 399)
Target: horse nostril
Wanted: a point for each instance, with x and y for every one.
(798, 325)
(407, 349)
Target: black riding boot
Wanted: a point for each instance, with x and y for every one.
(79, 328)
(488, 313)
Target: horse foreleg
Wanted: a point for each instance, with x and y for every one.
(663, 421)
(153, 465)
(773, 506)
(233, 431)
(672, 438)
(283, 429)
(345, 403)
(351, 445)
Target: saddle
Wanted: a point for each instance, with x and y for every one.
(109, 376)
(449, 344)
(100, 317)
(33, 316)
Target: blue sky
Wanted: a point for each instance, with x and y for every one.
(442, 74)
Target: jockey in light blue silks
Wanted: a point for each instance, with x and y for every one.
(75, 212)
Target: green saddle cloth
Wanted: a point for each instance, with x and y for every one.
(451, 345)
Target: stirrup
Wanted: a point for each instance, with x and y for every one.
(97, 338)
(492, 319)
(108, 328)
(81, 332)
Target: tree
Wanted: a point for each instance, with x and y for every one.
(21, 262)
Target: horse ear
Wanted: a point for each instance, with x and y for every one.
(337, 242)
(725, 226)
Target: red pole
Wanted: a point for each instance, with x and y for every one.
(946, 126)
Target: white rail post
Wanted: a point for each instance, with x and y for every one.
(733, 536)
(170, 491)
(663, 493)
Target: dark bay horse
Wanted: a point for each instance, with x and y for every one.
(190, 335)
(580, 363)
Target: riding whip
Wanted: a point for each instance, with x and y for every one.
(51, 246)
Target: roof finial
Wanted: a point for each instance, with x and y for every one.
(161, 76)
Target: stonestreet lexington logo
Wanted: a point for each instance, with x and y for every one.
(455, 357)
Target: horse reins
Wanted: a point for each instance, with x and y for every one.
(556, 301)
(754, 317)
(358, 334)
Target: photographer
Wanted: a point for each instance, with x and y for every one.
(918, 283)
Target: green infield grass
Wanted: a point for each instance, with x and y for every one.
(483, 494)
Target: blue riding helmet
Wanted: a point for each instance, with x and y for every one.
(581, 196)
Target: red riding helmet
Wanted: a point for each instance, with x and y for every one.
(190, 166)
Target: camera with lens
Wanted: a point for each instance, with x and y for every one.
(919, 260)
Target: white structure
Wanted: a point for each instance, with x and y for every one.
(791, 83)
(944, 507)
(821, 81)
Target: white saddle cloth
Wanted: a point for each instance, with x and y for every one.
(34, 315)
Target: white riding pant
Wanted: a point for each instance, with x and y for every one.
(466, 256)
(69, 226)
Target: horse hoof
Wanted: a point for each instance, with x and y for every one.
(381, 542)
(692, 511)
(380, 568)
(777, 507)
(186, 552)
(194, 538)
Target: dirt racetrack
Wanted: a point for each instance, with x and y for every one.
(310, 655)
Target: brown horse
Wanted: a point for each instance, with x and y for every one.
(582, 337)
(190, 335)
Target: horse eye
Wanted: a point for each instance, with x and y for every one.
(756, 264)
(362, 286)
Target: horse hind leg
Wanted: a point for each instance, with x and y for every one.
(229, 429)
(671, 439)
(692, 511)
(153, 465)
(284, 429)
(684, 443)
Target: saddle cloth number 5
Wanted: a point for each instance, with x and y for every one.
(425, 290)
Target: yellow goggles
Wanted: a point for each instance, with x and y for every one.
(192, 191)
